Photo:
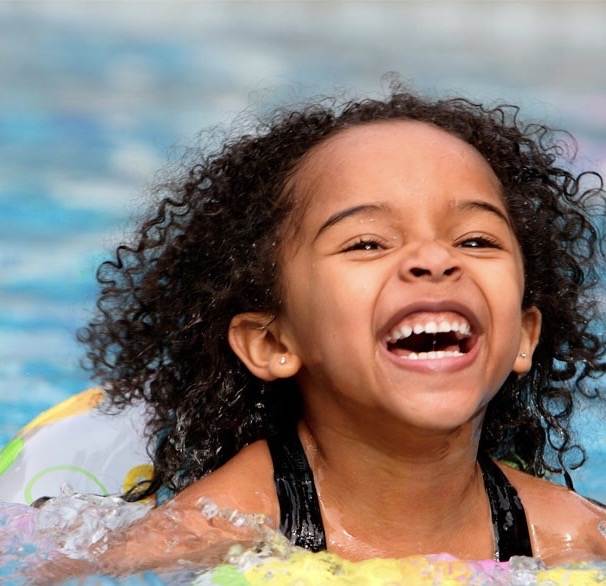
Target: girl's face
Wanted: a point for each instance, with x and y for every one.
(404, 281)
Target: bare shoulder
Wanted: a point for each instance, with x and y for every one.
(181, 529)
(244, 483)
(563, 525)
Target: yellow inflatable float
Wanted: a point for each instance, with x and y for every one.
(307, 569)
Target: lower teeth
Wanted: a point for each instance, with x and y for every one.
(433, 355)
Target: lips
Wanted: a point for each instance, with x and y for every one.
(431, 335)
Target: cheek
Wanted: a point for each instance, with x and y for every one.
(505, 284)
(346, 301)
(509, 313)
(327, 312)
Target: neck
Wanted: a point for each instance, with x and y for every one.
(405, 461)
(431, 481)
(373, 438)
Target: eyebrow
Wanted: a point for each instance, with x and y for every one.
(347, 213)
(474, 204)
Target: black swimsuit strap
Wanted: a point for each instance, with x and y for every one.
(301, 520)
(508, 517)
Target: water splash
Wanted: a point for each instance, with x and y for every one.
(78, 527)
(72, 525)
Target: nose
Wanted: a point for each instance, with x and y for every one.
(431, 261)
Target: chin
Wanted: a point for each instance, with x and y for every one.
(440, 419)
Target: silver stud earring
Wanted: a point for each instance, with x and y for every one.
(523, 355)
(282, 360)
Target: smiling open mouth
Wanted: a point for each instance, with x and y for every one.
(427, 340)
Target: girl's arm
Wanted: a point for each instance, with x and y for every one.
(235, 505)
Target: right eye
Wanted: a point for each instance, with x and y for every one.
(365, 244)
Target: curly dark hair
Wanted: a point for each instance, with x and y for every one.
(211, 248)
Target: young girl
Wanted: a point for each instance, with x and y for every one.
(353, 320)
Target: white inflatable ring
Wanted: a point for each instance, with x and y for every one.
(75, 444)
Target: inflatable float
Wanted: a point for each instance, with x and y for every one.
(307, 569)
(75, 444)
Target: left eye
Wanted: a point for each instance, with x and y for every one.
(480, 242)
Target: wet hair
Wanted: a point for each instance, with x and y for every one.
(210, 248)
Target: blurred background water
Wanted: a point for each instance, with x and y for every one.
(94, 94)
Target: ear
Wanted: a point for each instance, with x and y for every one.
(531, 331)
(255, 338)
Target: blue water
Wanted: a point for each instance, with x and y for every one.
(94, 95)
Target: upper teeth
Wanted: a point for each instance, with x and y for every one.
(461, 328)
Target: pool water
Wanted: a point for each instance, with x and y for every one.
(94, 96)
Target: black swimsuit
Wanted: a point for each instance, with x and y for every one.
(301, 520)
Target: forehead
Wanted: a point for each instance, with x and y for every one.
(402, 153)
(399, 139)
